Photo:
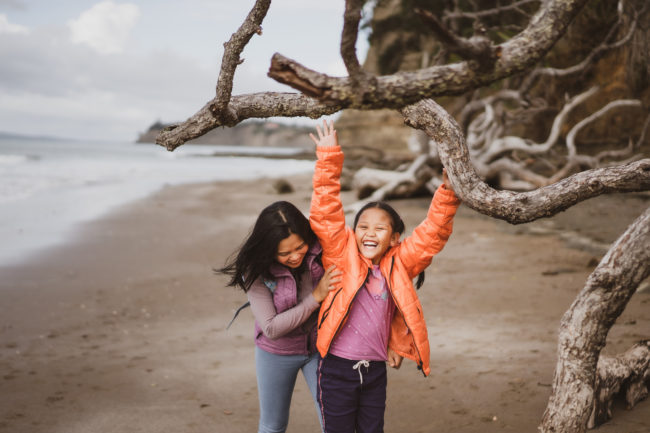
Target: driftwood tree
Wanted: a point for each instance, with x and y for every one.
(584, 381)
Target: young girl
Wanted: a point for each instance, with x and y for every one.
(374, 315)
(278, 267)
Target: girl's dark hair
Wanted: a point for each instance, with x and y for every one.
(396, 224)
(258, 252)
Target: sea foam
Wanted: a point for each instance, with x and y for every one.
(48, 187)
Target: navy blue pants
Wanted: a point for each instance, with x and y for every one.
(352, 399)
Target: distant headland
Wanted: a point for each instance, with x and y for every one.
(248, 133)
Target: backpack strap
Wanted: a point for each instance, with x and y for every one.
(270, 284)
(247, 304)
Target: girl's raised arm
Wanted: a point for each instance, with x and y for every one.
(326, 216)
(431, 235)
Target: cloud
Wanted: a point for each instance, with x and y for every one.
(105, 27)
(7, 27)
(51, 86)
(162, 65)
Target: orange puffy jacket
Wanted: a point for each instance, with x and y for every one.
(399, 265)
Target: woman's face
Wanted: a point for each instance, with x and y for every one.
(291, 251)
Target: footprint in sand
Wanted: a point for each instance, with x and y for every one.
(58, 396)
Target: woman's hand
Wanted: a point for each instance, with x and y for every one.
(394, 360)
(330, 281)
(327, 136)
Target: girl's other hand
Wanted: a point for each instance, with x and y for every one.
(394, 360)
(445, 181)
(327, 136)
(330, 281)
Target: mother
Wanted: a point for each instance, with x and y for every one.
(279, 268)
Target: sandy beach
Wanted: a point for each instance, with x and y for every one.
(122, 329)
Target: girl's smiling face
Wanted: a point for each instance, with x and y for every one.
(291, 251)
(374, 234)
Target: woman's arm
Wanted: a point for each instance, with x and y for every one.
(275, 325)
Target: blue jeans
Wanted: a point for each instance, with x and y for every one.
(276, 378)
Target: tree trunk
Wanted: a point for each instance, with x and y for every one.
(584, 327)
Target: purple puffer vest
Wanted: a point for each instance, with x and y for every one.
(302, 340)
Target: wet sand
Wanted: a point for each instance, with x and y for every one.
(123, 328)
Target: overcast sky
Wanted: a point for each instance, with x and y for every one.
(108, 69)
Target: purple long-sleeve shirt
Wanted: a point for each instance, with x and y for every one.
(273, 324)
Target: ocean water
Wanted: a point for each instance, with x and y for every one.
(47, 187)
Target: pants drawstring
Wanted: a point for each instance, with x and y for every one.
(357, 367)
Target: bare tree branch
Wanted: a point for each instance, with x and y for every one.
(591, 58)
(253, 105)
(516, 208)
(478, 48)
(490, 12)
(573, 159)
(396, 91)
(404, 88)
(349, 36)
(417, 174)
(505, 144)
(230, 59)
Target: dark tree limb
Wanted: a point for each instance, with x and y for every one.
(522, 207)
(516, 6)
(478, 48)
(230, 60)
(351, 19)
(584, 327)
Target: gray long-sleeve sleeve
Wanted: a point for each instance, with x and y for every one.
(275, 325)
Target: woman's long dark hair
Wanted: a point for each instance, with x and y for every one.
(396, 224)
(258, 252)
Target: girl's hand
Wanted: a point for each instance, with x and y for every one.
(394, 360)
(445, 181)
(330, 281)
(327, 136)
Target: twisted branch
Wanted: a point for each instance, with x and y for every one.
(516, 208)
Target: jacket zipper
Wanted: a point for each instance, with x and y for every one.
(329, 307)
(420, 363)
